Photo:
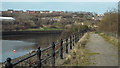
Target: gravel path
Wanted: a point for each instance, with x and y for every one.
(105, 53)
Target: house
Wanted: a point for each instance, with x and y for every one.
(30, 12)
(7, 18)
(10, 11)
(16, 11)
(45, 12)
(37, 11)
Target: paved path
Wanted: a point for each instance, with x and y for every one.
(107, 53)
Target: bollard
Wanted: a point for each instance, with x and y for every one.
(67, 46)
(61, 49)
(8, 64)
(70, 42)
(39, 57)
(53, 54)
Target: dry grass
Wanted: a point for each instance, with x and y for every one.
(79, 55)
(110, 39)
(0, 65)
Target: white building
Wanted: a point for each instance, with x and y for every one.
(6, 18)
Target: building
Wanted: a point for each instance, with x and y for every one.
(7, 18)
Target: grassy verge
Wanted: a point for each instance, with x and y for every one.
(43, 29)
(110, 39)
(78, 55)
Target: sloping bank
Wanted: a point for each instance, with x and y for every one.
(110, 39)
(6, 33)
(78, 56)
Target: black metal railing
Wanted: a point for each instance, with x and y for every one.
(64, 45)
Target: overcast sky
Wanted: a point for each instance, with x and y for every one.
(59, 0)
(97, 7)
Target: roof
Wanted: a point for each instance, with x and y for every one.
(7, 18)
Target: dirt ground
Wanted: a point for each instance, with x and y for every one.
(105, 53)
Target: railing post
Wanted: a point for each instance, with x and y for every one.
(70, 42)
(67, 46)
(80, 34)
(61, 49)
(53, 54)
(83, 32)
(39, 57)
(8, 64)
(73, 40)
(77, 37)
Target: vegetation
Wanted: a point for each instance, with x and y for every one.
(109, 23)
(43, 29)
(110, 39)
(79, 55)
(73, 29)
(109, 27)
(26, 21)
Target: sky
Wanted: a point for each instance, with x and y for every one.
(59, 0)
(97, 7)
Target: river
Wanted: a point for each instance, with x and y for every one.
(19, 45)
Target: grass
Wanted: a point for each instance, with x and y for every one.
(43, 29)
(110, 39)
(79, 54)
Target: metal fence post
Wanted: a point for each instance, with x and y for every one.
(39, 57)
(77, 37)
(61, 49)
(53, 54)
(70, 42)
(8, 64)
(67, 46)
(73, 40)
(80, 34)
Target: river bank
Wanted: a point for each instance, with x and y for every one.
(21, 42)
(7, 33)
(78, 56)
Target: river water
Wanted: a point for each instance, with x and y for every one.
(15, 46)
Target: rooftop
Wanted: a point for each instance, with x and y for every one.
(7, 18)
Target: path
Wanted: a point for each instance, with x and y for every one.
(106, 53)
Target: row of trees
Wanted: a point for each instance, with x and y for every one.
(73, 29)
(109, 23)
(25, 20)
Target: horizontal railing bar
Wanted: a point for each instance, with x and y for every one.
(49, 56)
(49, 47)
(46, 59)
(57, 51)
(23, 59)
(31, 56)
(69, 40)
(46, 48)
(41, 51)
(57, 43)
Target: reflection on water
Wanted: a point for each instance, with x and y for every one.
(25, 43)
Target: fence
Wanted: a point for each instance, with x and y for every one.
(54, 51)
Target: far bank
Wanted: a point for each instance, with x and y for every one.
(7, 33)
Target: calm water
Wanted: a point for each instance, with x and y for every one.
(24, 44)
